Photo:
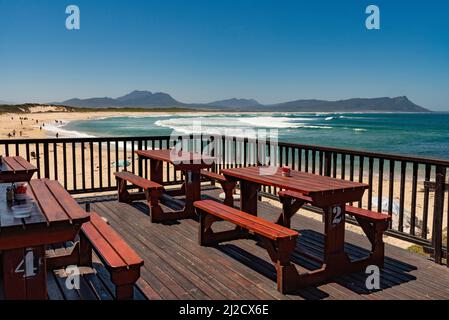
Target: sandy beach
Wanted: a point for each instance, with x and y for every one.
(33, 125)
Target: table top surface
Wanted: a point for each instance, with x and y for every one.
(177, 157)
(16, 169)
(52, 205)
(303, 182)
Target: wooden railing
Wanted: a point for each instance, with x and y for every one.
(412, 189)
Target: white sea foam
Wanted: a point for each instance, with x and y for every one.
(272, 122)
(59, 128)
(236, 122)
(317, 127)
(235, 126)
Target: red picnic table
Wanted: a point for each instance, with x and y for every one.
(327, 193)
(190, 164)
(15, 169)
(55, 218)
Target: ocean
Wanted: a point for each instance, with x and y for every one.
(412, 133)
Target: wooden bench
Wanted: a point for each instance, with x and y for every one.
(227, 186)
(152, 193)
(373, 224)
(119, 258)
(277, 240)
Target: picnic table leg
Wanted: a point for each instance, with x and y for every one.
(192, 190)
(152, 196)
(248, 197)
(123, 194)
(25, 274)
(228, 189)
(156, 169)
(289, 208)
(374, 233)
(334, 252)
(336, 262)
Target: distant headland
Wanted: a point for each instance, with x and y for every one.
(146, 101)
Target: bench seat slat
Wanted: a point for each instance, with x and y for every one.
(259, 220)
(354, 211)
(117, 256)
(138, 181)
(213, 176)
(102, 247)
(242, 219)
(126, 253)
(363, 213)
(295, 195)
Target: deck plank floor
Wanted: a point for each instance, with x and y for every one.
(176, 267)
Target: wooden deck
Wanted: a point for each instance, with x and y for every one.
(176, 267)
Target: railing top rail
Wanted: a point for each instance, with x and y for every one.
(82, 139)
(355, 152)
(372, 154)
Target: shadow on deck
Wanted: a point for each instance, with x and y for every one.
(176, 267)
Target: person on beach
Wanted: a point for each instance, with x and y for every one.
(57, 135)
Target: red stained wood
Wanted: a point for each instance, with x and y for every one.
(173, 157)
(248, 221)
(187, 162)
(354, 211)
(306, 183)
(24, 164)
(128, 255)
(52, 205)
(213, 176)
(55, 218)
(367, 214)
(327, 193)
(324, 191)
(119, 258)
(14, 286)
(36, 287)
(48, 204)
(295, 195)
(227, 186)
(14, 169)
(103, 247)
(71, 208)
(138, 181)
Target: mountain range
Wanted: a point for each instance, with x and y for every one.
(147, 99)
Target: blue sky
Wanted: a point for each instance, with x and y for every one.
(203, 50)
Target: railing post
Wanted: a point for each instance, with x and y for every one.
(212, 146)
(327, 164)
(437, 234)
(140, 160)
(46, 161)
